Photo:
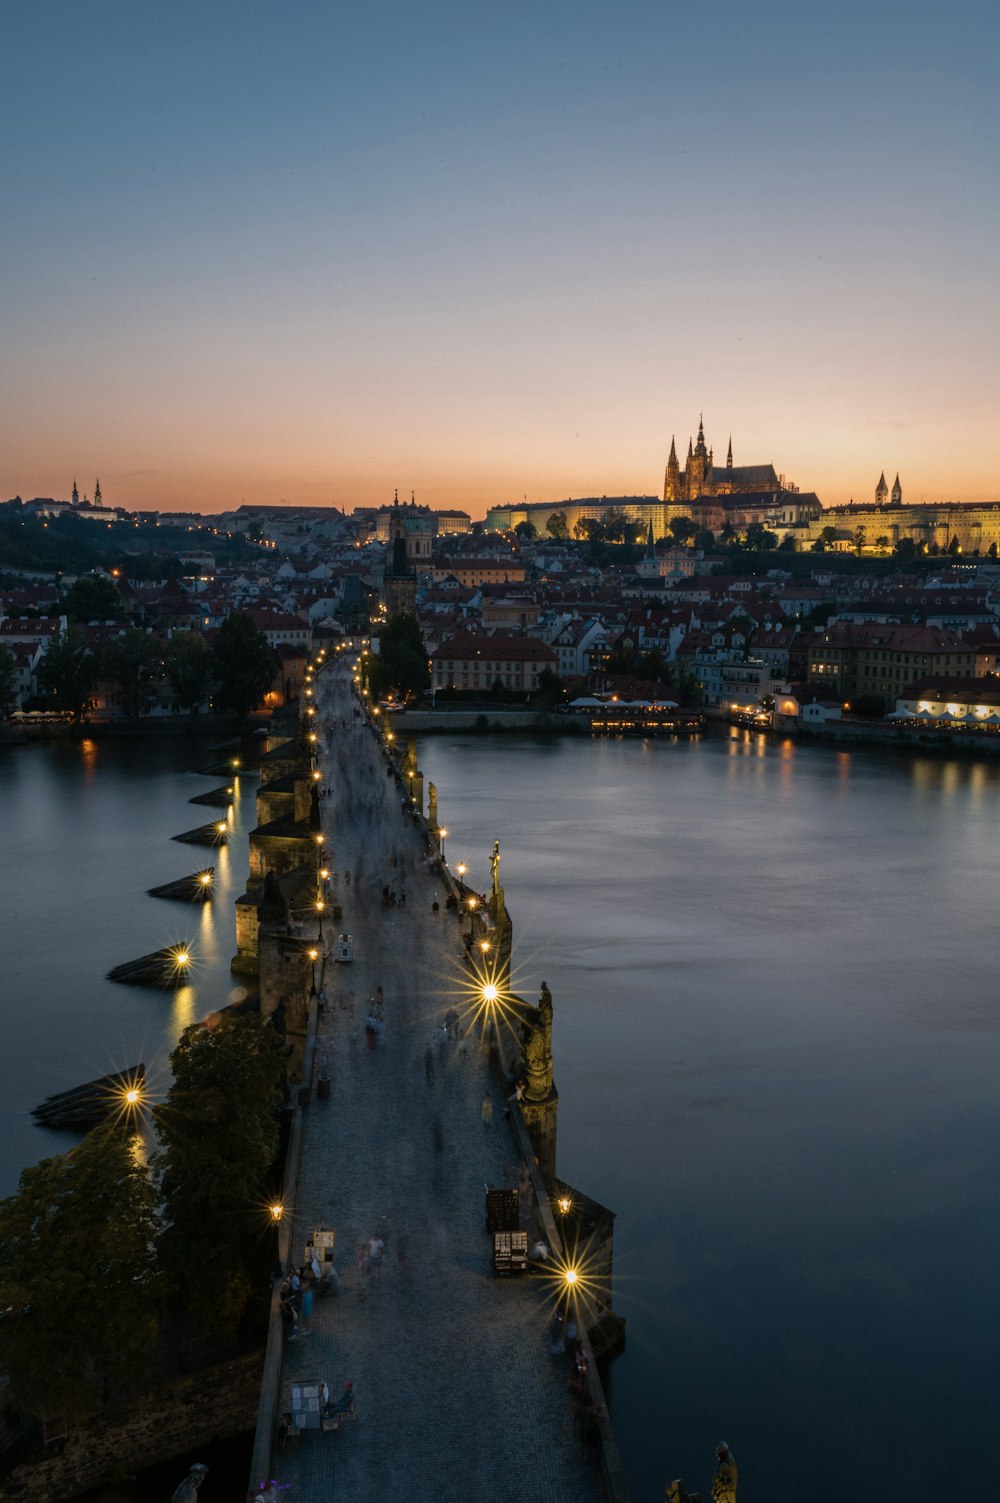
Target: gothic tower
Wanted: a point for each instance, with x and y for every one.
(97, 493)
(729, 456)
(699, 466)
(897, 492)
(76, 494)
(881, 491)
(672, 482)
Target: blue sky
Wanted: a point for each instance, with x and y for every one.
(309, 253)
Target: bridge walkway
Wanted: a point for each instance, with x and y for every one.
(458, 1396)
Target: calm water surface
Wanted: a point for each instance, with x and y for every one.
(86, 830)
(776, 1042)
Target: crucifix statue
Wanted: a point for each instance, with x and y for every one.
(495, 867)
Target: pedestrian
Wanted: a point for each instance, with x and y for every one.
(376, 1249)
(429, 1064)
(362, 1269)
(307, 1310)
(371, 1030)
(402, 897)
(487, 1109)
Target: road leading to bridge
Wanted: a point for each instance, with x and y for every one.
(458, 1397)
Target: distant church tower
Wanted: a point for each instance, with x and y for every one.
(881, 491)
(699, 466)
(400, 582)
(76, 493)
(897, 492)
(97, 492)
(672, 480)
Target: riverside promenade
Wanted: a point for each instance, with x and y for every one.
(458, 1396)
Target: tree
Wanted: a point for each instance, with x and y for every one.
(68, 671)
(652, 665)
(760, 539)
(77, 1275)
(219, 1133)
(789, 543)
(615, 525)
(550, 688)
(94, 597)
(243, 664)
(526, 530)
(826, 539)
(590, 530)
(882, 543)
(8, 679)
(705, 540)
(859, 540)
(907, 549)
(683, 529)
(992, 550)
(133, 662)
(188, 664)
(870, 706)
(954, 547)
(402, 656)
(557, 526)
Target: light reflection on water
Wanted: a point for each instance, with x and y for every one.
(87, 830)
(776, 1040)
(777, 1037)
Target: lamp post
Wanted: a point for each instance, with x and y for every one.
(442, 832)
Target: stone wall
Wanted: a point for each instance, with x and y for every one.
(172, 1420)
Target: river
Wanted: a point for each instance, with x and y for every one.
(777, 1041)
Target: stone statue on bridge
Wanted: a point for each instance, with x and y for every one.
(724, 1481)
(495, 867)
(537, 1046)
(187, 1491)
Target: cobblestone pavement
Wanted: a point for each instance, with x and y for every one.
(457, 1394)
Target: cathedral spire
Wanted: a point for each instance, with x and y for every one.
(76, 493)
(881, 491)
(897, 492)
(650, 548)
(729, 456)
(97, 492)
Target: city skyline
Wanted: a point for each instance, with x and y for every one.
(260, 258)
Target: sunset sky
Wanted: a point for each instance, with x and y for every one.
(311, 252)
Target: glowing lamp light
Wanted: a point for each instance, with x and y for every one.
(277, 1211)
(319, 839)
(221, 827)
(484, 945)
(235, 762)
(320, 905)
(324, 872)
(182, 957)
(133, 1097)
(205, 879)
(473, 903)
(317, 774)
(491, 992)
(565, 1204)
(461, 868)
(313, 954)
(570, 1276)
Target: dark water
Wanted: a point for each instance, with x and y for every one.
(85, 831)
(776, 1040)
(777, 1043)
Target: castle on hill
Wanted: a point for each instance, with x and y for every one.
(699, 476)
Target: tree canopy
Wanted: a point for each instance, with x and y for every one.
(133, 662)
(219, 1134)
(243, 664)
(402, 656)
(93, 597)
(77, 1275)
(68, 671)
(188, 663)
(8, 679)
